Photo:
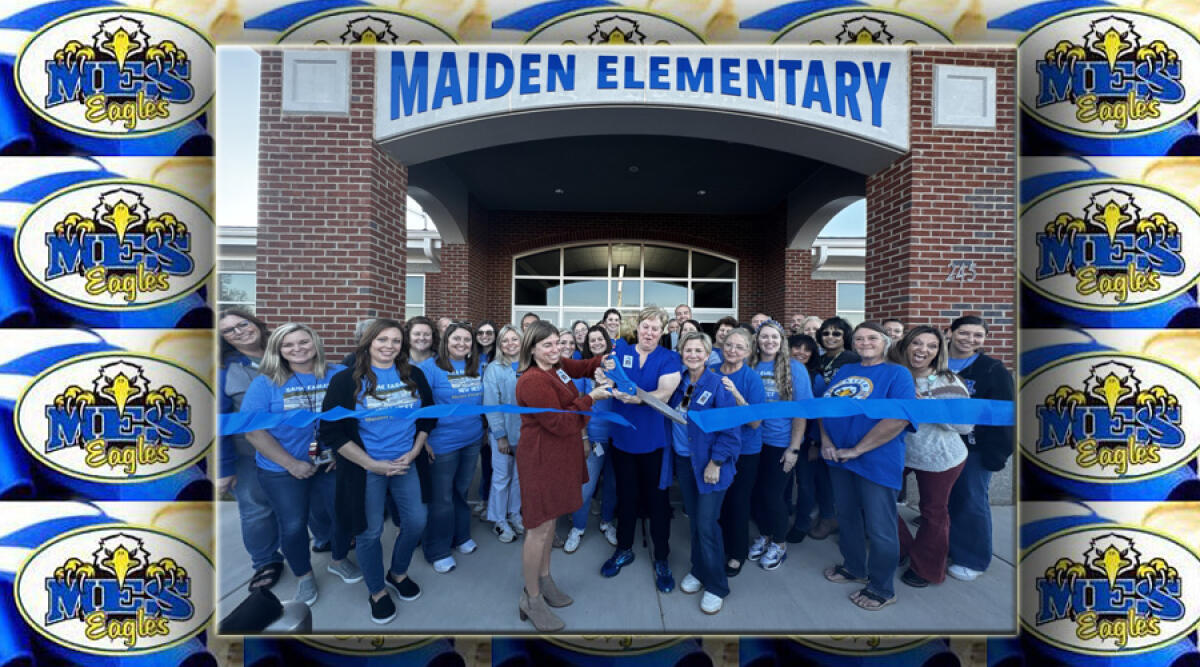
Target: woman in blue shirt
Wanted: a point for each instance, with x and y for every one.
(638, 452)
(292, 467)
(455, 376)
(746, 387)
(504, 431)
(378, 454)
(704, 465)
(784, 379)
(866, 463)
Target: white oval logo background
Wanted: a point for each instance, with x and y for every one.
(862, 646)
(338, 26)
(576, 27)
(33, 254)
(32, 598)
(1074, 27)
(1073, 371)
(33, 83)
(1074, 199)
(1073, 544)
(33, 430)
(827, 27)
(365, 644)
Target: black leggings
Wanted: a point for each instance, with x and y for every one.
(638, 495)
(735, 512)
(770, 510)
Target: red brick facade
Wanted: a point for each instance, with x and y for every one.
(941, 221)
(332, 235)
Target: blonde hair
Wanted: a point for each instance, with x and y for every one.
(500, 356)
(783, 363)
(690, 336)
(655, 312)
(276, 368)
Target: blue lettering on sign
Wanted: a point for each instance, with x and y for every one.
(847, 89)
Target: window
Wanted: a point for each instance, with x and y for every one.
(580, 282)
(235, 289)
(414, 296)
(851, 301)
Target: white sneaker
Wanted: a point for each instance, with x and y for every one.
(775, 555)
(444, 565)
(467, 547)
(690, 584)
(572, 542)
(610, 532)
(711, 604)
(514, 520)
(963, 573)
(504, 532)
(758, 548)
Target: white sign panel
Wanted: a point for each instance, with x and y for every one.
(860, 92)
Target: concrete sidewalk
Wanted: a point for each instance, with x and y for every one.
(480, 595)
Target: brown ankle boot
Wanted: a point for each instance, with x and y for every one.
(534, 609)
(550, 592)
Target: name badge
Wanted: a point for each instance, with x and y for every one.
(703, 400)
(562, 375)
(627, 362)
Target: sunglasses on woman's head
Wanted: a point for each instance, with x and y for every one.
(687, 397)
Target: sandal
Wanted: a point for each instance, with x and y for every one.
(838, 574)
(865, 599)
(266, 577)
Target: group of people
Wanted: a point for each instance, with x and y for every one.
(330, 485)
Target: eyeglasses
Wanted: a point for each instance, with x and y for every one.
(836, 333)
(237, 328)
(486, 332)
(687, 397)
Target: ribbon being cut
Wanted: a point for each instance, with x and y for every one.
(916, 411)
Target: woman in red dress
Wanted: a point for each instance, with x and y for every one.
(551, 461)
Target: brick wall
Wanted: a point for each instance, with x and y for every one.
(331, 233)
(950, 200)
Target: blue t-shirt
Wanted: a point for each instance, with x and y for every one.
(302, 391)
(598, 430)
(387, 437)
(651, 430)
(750, 386)
(883, 465)
(454, 388)
(957, 365)
(778, 432)
(715, 358)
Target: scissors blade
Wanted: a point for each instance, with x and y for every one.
(666, 410)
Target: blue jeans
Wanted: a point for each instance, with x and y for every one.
(406, 501)
(971, 516)
(594, 465)
(260, 531)
(291, 499)
(708, 545)
(812, 490)
(449, 523)
(867, 511)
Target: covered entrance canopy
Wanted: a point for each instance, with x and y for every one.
(738, 155)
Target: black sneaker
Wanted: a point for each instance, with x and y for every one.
(406, 590)
(383, 610)
(796, 536)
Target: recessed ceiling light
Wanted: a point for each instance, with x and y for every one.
(702, 192)
(558, 191)
(633, 169)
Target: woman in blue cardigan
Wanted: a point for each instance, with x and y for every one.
(704, 463)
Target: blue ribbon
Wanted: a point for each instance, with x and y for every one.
(531, 17)
(778, 18)
(35, 18)
(1026, 17)
(277, 653)
(282, 18)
